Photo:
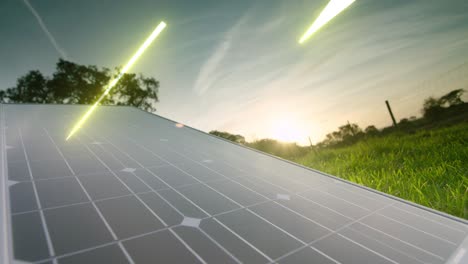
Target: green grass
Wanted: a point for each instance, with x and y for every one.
(428, 167)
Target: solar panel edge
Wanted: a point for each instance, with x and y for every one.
(460, 254)
(6, 247)
(452, 217)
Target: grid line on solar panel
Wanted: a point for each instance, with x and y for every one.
(280, 187)
(326, 207)
(79, 203)
(276, 226)
(325, 255)
(109, 228)
(173, 189)
(232, 200)
(131, 191)
(182, 214)
(419, 230)
(315, 188)
(187, 246)
(432, 220)
(182, 240)
(170, 187)
(114, 242)
(327, 235)
(165, 224)
(402, 241)
(41, 214)
(60, 192)
(359, 244)
(409, 235)
(150, 210)
(86, 174)
(240, 170)
(243, 240)
(219, 245)
(304, 198)
(377, 242)
(108, 254)
(247, 177)
(85, 202)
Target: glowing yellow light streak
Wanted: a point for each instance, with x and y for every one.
(114, 81)
(333, 8)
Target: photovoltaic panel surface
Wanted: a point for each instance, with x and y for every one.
(132, 187)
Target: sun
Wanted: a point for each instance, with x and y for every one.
(288, 130)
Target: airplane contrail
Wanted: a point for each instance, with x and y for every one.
(44, 28)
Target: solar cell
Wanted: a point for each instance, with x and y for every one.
(132, 187)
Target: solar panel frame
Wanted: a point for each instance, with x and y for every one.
(5, 221)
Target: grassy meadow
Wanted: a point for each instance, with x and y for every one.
(423, 160)
(426, 167)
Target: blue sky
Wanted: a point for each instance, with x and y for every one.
(236, 65)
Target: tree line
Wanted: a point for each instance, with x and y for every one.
(72, 83)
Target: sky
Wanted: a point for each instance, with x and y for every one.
(236, 66)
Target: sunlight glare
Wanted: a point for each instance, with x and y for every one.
(289, 130)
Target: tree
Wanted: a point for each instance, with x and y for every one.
(346, 134)
(371, 130)
(452, 98)
(72, 83)
(235, 138)
(349, 130)
(278, 148)
(22, 91)
(433, 108)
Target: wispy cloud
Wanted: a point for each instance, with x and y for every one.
(44, 28)
(207, 75)
(272, 25)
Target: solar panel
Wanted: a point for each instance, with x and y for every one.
(132, 187)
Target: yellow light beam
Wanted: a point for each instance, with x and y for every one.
(114, 81)
(333, 8)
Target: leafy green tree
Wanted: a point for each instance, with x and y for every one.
(235, 138)
(346, 134)
(349, 130)
(452, 98)
(22, 91)
(278, 148)
(72, 83)
(433, 108)
(371, 130)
